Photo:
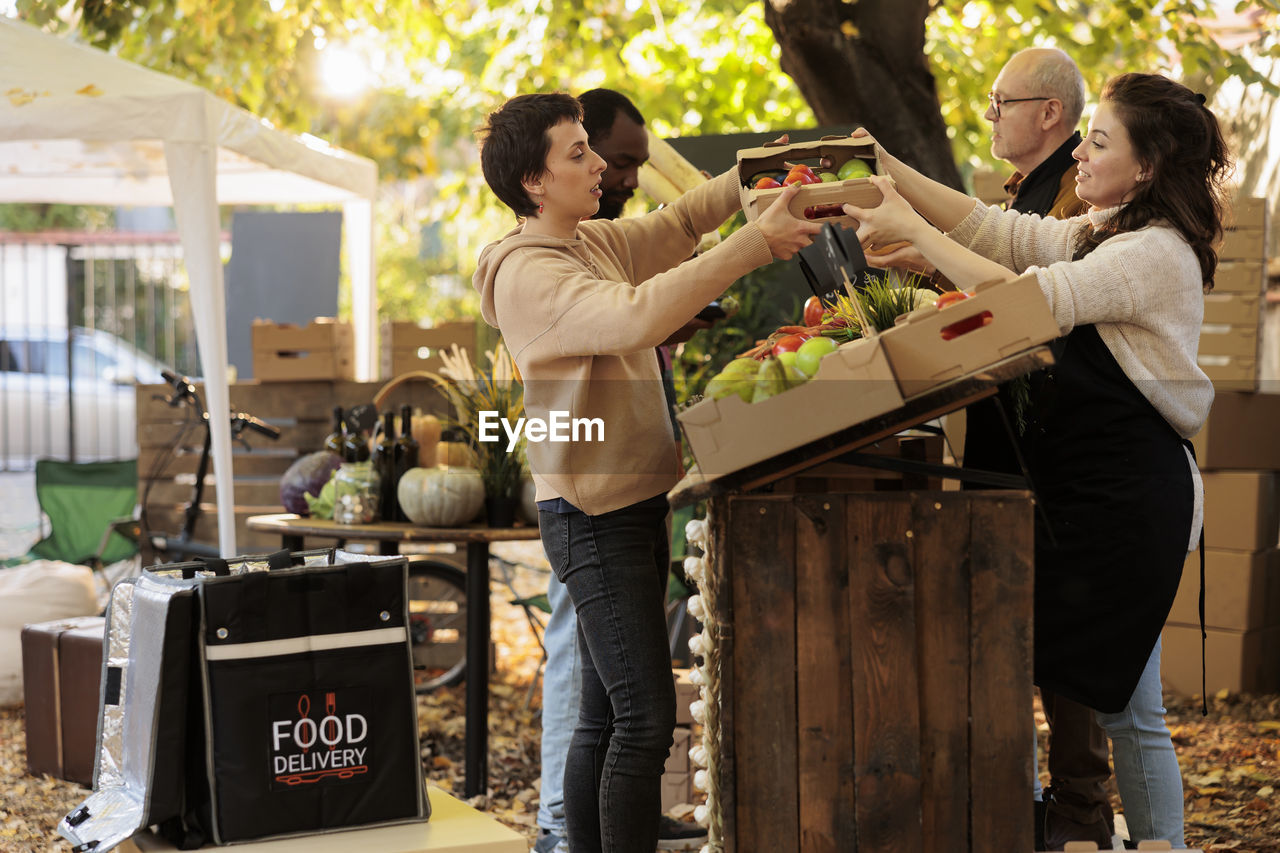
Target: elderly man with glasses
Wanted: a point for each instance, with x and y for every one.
(1034, 108)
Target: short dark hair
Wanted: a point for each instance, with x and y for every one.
(514, 144)
(1177, 139)
(600, 108)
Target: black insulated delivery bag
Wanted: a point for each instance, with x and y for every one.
(251, 703)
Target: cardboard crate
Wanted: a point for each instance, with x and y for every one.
(1241, 510)
(853, 384)
(322, 349)
(61, 674)
(922, 358)
(1233, 309)
(1228, 340)
(686, 693)
(852, 629)
(1230, 373)
(837, 149)
(1249, 212)
(1240, 277)
(1243, 244)
(1238, 661)
(1240, 433)
(1242, 590)
(408, 346)
(988, 186)
(678, 758)
(677, 788)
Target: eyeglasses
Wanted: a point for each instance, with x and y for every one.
(997, 102)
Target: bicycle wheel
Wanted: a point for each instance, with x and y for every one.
(437, 624)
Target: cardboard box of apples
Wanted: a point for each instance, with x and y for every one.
(864, 356)
(831, 171)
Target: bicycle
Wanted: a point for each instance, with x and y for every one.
(170, 548)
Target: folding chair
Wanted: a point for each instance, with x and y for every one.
(90, 507)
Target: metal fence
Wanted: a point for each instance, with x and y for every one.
(83, 317)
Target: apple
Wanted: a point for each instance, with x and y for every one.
(811, 352)
(767, 183)
(854, 168)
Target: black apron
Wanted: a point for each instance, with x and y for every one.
(1116, 487)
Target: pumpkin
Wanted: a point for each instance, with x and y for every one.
(441, 497)
(455, 454)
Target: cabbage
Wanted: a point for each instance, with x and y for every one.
(322, 507)
(305, 478)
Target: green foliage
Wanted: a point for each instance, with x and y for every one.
(438, 68)
(28, 218)
(968, 43)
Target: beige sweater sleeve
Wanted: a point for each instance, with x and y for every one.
(1142, 290)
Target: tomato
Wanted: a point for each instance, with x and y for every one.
(790, 343)
(767, 184)
(813, 311)
(950, 298)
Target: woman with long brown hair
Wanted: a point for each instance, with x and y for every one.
(1107, 430)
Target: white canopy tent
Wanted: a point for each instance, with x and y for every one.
(80, 126)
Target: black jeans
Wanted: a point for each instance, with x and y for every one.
(615, 567)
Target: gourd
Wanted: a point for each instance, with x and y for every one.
(441, 497)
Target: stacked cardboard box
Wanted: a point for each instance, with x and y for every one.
(1230, 338)
(322, 349)
(1240, 460)
(677, 778)
(408, 346)
(988, 186)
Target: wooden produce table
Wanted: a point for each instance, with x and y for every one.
(454, 828)
(868, 654)
(293, 529)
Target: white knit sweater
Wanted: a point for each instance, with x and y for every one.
(1142, 290)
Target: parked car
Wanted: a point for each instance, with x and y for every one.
(37, 393)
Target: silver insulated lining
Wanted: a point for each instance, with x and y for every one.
(135, 635)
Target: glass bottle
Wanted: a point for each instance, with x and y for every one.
(355, 445)
(333, 441)
(406, 454)
(384, 464)
(356, 495)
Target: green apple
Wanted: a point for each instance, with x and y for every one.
(811, 352)
(828, 177)
(854, 168)
(788, 359)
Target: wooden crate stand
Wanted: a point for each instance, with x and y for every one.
(874, 676)
(302, 411)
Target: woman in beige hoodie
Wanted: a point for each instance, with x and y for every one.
(581, 304)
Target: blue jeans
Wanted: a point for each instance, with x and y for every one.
(615, 568)
(1146, 766)
(561, 685)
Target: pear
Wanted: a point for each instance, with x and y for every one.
(774, 378)
(738, 377)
